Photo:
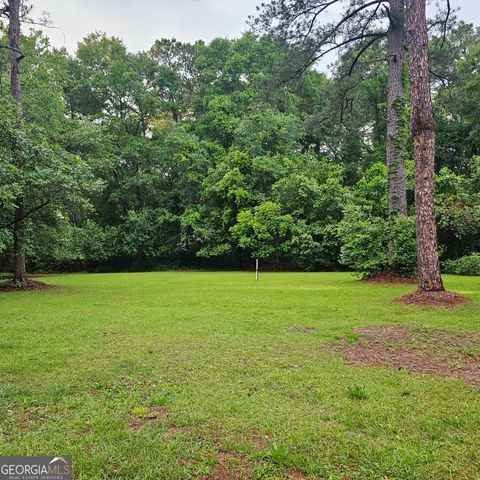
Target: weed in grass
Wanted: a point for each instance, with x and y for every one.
(266, 471)
(357, 392)
(140, 412)
(159, 401)
(279, 454)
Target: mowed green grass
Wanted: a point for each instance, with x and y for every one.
(212, 352)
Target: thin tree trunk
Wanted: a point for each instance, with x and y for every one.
(423, 133)
(19, 271)
(397, 187)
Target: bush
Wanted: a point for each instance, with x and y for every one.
(366, 239)
(468, 265)
(5, 239)
(264, 231)
(404, 243)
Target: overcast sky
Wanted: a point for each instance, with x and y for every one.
(140, 22)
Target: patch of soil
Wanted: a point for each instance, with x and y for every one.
(231, 466)
(389, 277)
(30, 285)
(154, 416)
(297, 475)
(433, 299)
(417, 349)
(261, 441)
(301, 330)
(27, 420)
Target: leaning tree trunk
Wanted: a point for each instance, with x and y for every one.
(19, 270)
(423, 133)
(397, 187)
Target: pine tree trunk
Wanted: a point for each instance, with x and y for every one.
(15, 53)
(397, 187)
(19, 270)
(423, 133)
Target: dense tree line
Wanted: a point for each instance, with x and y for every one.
(211, 155)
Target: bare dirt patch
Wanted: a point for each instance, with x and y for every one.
(434, 299)
(301, 330)
(297, 475)
(260, 440)
(233, 465)
(10, 286)
(417, 349)
(154, 416)
(389, 277)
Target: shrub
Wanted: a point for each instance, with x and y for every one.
(264, 230)
(468, 265)
(366, 239)
(364, 242)
(5, 239)
(404, 260)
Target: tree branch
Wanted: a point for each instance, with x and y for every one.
(46, 25)
(371, 18)
(25, 215)
(308, 11)
(337, 46)
(347, 17)
(445, 22)
(389, 15)
(362, 51)
(312, 23)
(16, 50)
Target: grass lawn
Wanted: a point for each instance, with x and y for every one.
(193, 375)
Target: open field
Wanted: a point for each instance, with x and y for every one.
(216, 376)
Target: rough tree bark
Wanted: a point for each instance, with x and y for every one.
(423, 133)
(397, 187)
(19, 270)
